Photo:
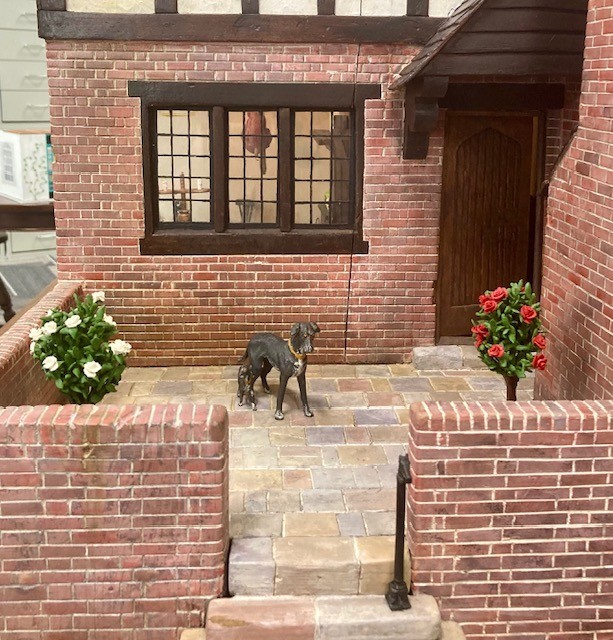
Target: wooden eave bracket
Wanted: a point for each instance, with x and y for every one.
(421, 112)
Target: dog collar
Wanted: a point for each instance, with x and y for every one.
(300, 356)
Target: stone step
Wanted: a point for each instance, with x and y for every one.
(450, 631)
(447, 358)
(321, 618)
(312, 566)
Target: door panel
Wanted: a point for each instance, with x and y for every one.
(485, 214)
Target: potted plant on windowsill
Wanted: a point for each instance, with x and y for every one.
(75, 350)
(508, 333)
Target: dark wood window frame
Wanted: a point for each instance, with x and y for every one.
(218, 238)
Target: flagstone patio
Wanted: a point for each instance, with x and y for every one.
(330, 475)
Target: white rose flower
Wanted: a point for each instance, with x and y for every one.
(109, 319)
(36, 334)
(90, 369)
(98, 296)
(120, 347)
(50, 363)
(73, 321)
(50, 312)
(49, 328)
(32, 346)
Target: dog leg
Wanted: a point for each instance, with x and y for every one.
(303, 394)
(242, 377)
(251, 397)
(266, 369)
(280, 395)
(250, 393)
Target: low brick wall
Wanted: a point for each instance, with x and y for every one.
(113, 520)
(510, 521)
(22, 380)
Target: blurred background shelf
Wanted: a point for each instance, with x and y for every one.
(15, 216)
(27, 251)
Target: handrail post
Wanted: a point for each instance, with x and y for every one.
(397, 595)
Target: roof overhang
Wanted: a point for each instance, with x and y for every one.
(515, 45)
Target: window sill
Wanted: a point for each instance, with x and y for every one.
(191, 242)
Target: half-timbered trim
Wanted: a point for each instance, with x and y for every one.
(166, 6)
(418, 7)
(219, 236)
(326, 7)
(51, 5)
(169, 27)
(251, 7)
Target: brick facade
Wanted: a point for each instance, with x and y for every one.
(509, 517)
(201, 310)
(113, 521)
(22, 380)
(578, 246)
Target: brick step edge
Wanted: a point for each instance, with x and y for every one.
(312, 566)
(321, 618)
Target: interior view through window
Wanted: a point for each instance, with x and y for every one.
(320, 146)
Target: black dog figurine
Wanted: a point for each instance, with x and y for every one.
(265, 351)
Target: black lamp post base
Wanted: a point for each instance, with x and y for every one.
(397, 596)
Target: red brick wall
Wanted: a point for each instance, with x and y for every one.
(113, 521)
(22, 380)
(510, 517)
(578, 264)
(201, 310)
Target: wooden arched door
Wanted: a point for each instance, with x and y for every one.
(487, 212)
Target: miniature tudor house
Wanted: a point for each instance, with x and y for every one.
(225, 167)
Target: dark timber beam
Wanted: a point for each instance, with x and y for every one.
(68, 25)
(421, 109)
(465, 96)
(251, 6)
(51, 5)
(326, 7)
(166, 6)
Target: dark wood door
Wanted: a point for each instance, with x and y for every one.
(485, 212)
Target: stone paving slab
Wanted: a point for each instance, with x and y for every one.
(312, 500)
(319, 465)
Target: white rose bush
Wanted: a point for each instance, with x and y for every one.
(75, 350)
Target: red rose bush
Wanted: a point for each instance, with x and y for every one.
(508, 333)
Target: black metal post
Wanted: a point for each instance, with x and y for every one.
(397, 595)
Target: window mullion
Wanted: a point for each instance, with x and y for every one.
(219, 163)
(286, 166)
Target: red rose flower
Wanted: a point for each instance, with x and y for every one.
(483, 299)
(479, 341)
(539, 341)
(528, 314)
(480, 330)
(496, 351)
(539, 362)
(499, 294)
(489, 306)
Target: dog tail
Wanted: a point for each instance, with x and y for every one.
(243, 359)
